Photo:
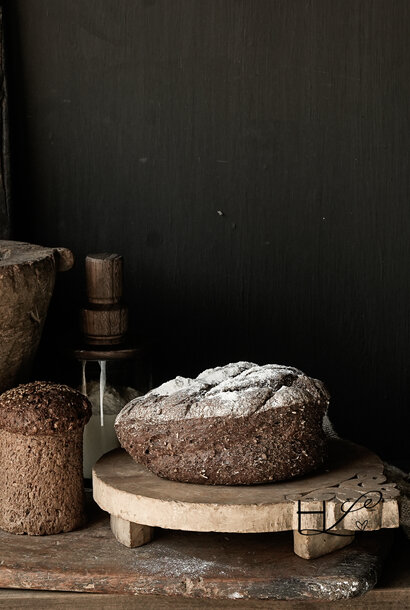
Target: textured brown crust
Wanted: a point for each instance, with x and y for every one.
(265, 444)
(43, 408)
(41, 484)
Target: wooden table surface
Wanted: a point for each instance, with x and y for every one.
(393, 591)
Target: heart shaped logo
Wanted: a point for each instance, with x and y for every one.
(361, 525)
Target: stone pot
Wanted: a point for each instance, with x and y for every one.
(27, 276)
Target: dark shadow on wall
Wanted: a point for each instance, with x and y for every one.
(21, 212)
(250, 161)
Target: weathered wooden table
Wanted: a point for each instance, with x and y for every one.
(189, 564)
(189, 567)
(392, 591)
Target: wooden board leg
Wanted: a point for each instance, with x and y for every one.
(316, 545)
(130, 534)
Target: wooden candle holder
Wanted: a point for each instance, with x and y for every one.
(104, 320)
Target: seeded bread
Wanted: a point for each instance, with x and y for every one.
(239, 424)
(41, 435)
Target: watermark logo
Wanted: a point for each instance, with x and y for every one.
(368, 500)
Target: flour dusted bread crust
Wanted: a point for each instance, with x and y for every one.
(41, 440)
(238, 424)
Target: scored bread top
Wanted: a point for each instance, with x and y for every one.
(236, 390)
(43, 408)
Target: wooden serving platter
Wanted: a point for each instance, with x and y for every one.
(324, 510)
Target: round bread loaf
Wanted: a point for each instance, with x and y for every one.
(41, 440)
(238, 424)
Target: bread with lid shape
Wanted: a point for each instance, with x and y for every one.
(43, 408)
(41, 436)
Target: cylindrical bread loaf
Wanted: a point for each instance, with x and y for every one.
(41, 445)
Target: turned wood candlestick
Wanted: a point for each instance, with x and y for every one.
(104, 319)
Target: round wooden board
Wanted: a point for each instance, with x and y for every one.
(130, 491)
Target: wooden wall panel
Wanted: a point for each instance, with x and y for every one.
(251, 162)
(5, 191)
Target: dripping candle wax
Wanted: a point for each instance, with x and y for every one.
(103, 380)
(99, 439)
(83, 379)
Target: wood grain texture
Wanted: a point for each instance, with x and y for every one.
(104, 320)
(311, 547)
(104, 326)
(16, 600)
(104, 277)
(130, 534)
(381, 599)
(251, 163)
(5, 188)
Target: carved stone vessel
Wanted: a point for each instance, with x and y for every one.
(27, 276)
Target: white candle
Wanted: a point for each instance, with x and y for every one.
(99, 433)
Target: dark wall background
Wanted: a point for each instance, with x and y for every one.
(4, 144)
(251, 162)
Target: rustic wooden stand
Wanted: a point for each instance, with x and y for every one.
(315, 507)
